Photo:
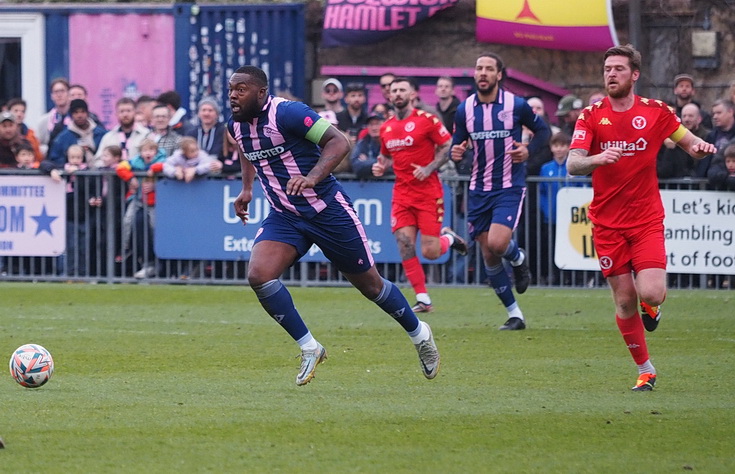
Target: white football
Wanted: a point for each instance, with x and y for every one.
(31, 365)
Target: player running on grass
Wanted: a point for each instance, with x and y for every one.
(617, 141)
(294, 150)
(491, 120)
(416, 144)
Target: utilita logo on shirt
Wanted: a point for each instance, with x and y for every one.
(264, 154)
(399, 143)
(639, 145)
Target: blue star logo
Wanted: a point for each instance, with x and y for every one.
(44, 221)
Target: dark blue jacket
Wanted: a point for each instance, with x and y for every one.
(67, 138)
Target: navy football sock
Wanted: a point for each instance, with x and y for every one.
(276, 300)
(513, 252)
(392, 301)
(500, 281)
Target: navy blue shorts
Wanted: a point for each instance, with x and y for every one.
(337, 231)
(503, 206)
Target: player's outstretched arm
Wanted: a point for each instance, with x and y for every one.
(695, 146)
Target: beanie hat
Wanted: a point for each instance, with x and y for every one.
(77, 104)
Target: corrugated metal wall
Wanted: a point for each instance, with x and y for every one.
(223, 38)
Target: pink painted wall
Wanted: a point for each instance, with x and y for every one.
(120, 55)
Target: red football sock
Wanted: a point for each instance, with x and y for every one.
(444, 242)
(634, 337)
(415, 274)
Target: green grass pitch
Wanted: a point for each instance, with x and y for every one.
(199, 379)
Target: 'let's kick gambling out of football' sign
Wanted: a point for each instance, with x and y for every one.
(572, 25)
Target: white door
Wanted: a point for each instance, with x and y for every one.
(29, 29)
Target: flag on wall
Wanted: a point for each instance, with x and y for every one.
(573, 25)
(357, 22)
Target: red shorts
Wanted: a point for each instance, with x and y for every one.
(623, 251)
(426, 215)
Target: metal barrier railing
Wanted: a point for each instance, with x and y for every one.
(109, 245)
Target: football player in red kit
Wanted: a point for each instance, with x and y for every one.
(617, 140)
(416, 144)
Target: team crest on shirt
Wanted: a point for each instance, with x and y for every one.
(639, 122)
(270, 132)
(505, 115)
(410, 127)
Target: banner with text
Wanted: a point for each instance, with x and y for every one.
(197, 220)
(32, 216)
(357, 22)
(572, 25)
(699, 230)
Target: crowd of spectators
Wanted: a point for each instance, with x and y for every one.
(151, 136)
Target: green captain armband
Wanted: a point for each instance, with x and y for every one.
(316, 132)
(679, 134)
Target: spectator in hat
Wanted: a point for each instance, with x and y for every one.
(82, 131)
(568, 111)
(10, 139)
(684, 93)
(365, 153)
(332, 94)
(78, 91)
(353, 118)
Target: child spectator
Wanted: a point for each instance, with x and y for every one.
(140, 211)
(25, 156)
(721, 173)
(107, 196)
(77, 210)
(556, 168)
(189, 161)
(365, 154)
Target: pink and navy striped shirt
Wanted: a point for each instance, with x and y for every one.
(276, 143)
(491, 128)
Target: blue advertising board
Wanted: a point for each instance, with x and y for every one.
(197, 220)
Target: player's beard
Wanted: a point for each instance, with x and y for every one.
(400, 104)
(247, 112)
(490, 87)
(621, 91)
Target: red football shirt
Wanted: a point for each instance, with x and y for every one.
(626, 193)
(412, 141)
